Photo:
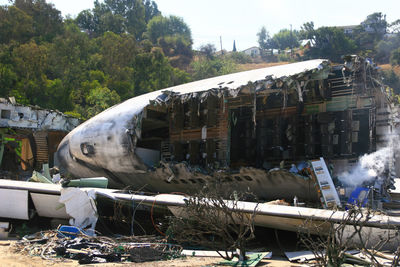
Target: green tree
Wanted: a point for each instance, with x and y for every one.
(100, 20)
(328, 42)
(384, 48)
(152, 71)
(392, 80)
(375, 23)
(285, 39)
(117, 53)
(69, 54)
(30, 63)
(15, 25)
(205, 68)
(160, 26)
(133, 11)
(47, 20)
(371, 31)
(177, 49)
(264, 40)
(150, 10)
(395, 57)
(173, 35)
(394, 27)
(307, 31)
(8, 78)
(118, 16)
(30, 60)
(208, 50)
(99, 99)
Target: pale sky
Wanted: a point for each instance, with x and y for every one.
(240, 20)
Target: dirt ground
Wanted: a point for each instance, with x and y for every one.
(10, 258)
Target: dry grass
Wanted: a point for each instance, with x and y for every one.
(396, 69)
(253, 66)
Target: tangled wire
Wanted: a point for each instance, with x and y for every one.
(55, 245)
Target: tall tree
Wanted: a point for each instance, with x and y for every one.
(285, 39)
(118, 53)
(152, 71)
(395, 57)
(375, 23)
(15, 25)
(30, 63)
(264, 40)
(234, 46)
(150, 10)
(47, 20)
(173, 35)
(328, 42)
(118, 16)
(371, 31)
(394, 27)
(168, 26)
(208, 50)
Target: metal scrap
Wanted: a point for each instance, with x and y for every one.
(51, 245)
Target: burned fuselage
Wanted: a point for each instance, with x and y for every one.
(244, 128)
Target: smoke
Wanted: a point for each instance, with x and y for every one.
(368, 168)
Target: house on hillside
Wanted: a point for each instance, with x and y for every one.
(348, 29)
(253, 51)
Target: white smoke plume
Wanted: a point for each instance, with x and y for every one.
(369, 167)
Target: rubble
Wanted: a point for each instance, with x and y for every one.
(52, 245)
(29, 137)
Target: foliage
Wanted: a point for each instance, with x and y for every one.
(118, 16)
(173, 35)
(209, 220)
(205, 68)
(328, 42)
(177, 49)
(394, 27)
(208, 50)
(392, 80)
(285, 39)
(161, 26)
(86, 65)
(395, 57)
(99, 99)
(332, 240)
(15, 25)
(264, 40)
(239, 57)
(384, 48)
(46, 19)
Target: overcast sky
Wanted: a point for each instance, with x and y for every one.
(241, 20)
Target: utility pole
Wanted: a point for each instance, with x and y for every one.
(220, 41)
(291, 41)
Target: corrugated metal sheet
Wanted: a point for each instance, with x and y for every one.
(42, 150)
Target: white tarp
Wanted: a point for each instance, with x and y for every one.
(80, 205)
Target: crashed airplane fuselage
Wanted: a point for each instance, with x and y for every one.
(244, 128)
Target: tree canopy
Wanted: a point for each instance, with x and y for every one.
(88, 64)
(124, 48)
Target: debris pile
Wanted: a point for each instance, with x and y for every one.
(58, 245)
